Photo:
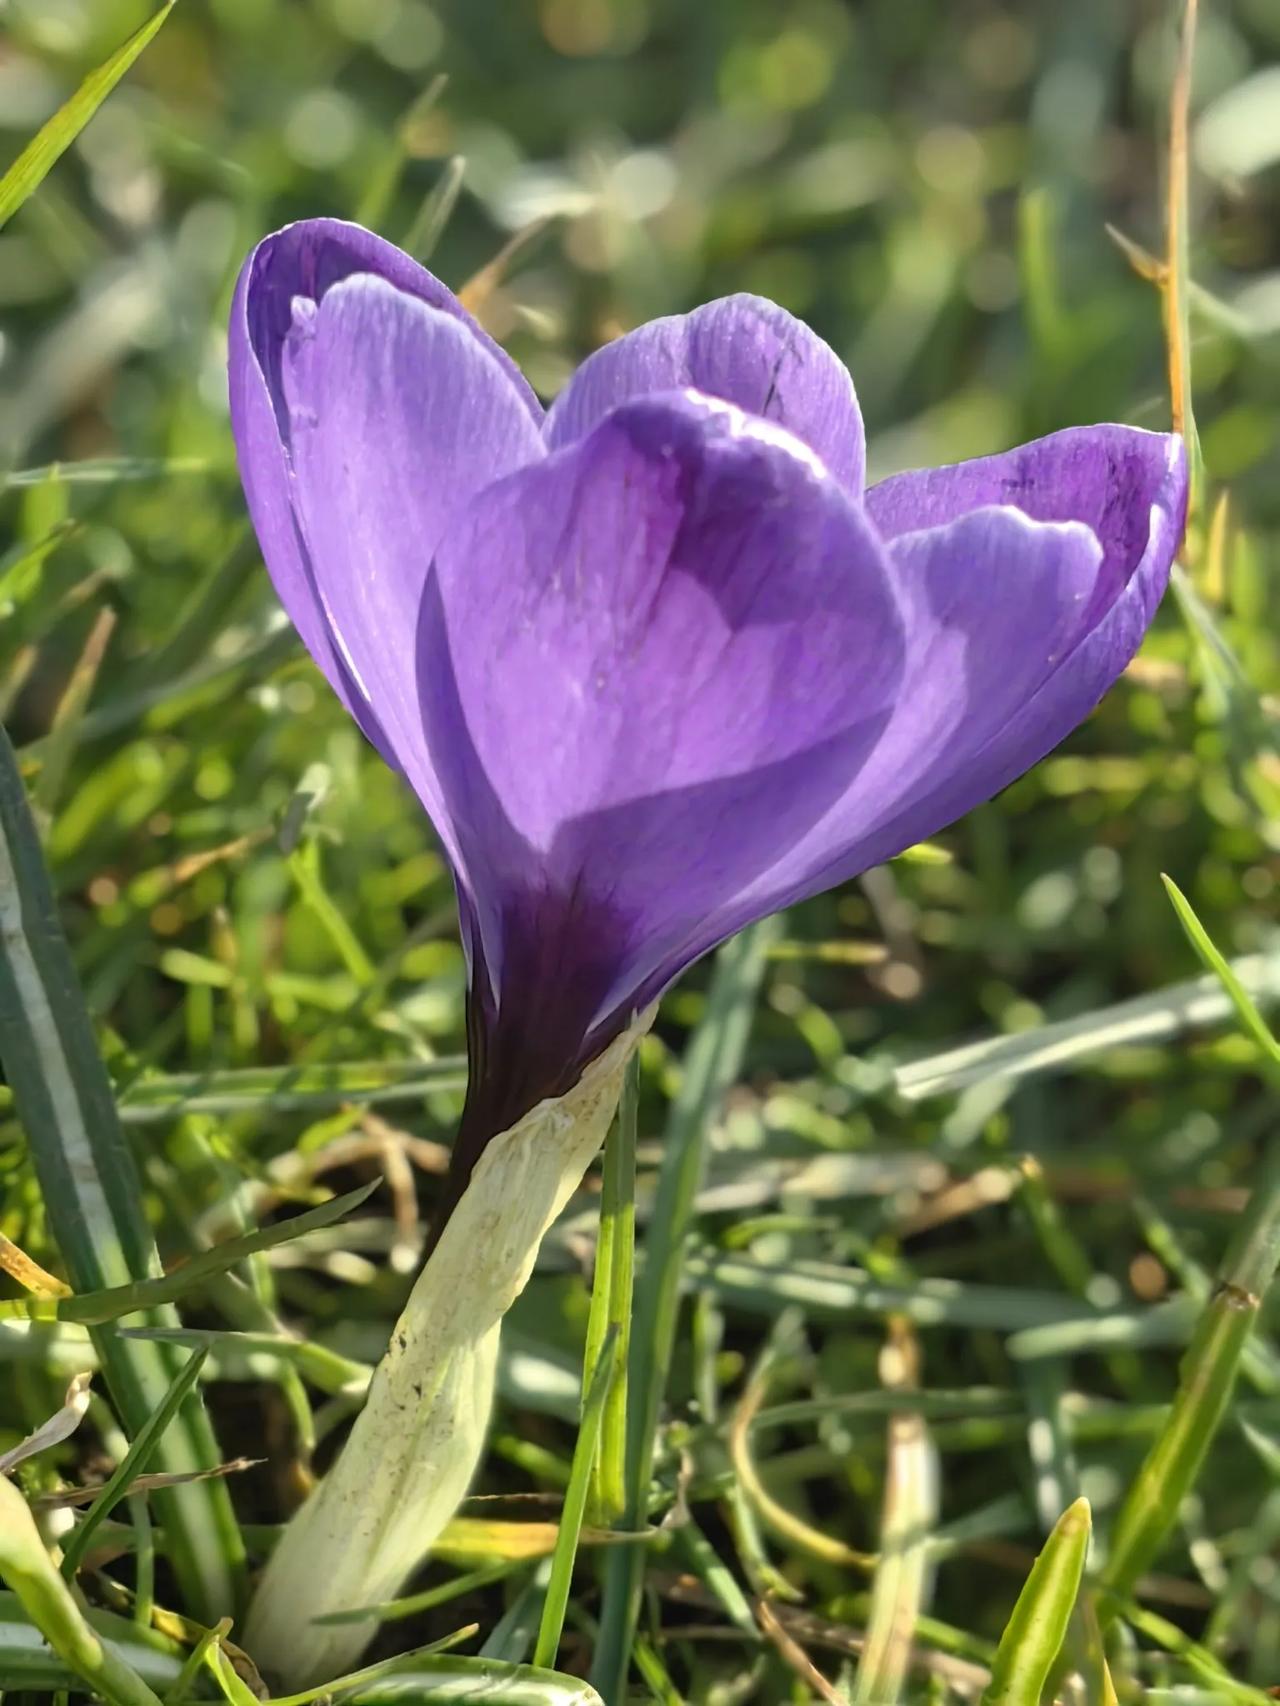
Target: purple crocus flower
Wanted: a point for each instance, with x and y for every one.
(654, 660)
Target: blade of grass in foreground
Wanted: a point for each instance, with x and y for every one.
(611, 1302)
(428, 1680)
(27, 1661)
(910, 1510)
(712, 1062)
(1035, 1631)
(95, 1308)
(49, 1603)
(1246, 1008)
(139, 1455)
(93, 1195)
(1213, 1358)
(575, 1504)
(54, 138)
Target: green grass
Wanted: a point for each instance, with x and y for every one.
(955, 1192)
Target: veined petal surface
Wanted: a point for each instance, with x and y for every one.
(742, 349)
(398, 416)
(1030, 579)
(649, 665)
(282, 291)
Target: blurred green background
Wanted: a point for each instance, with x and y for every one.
(929, 185)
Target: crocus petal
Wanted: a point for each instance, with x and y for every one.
(1115, 479)
(649, 664)
(1016, 629)
(743, 349)
(302, 264)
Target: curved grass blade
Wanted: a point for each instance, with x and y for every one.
(65, 727)
(324, 1368)
(611, 1301)
(27, 1661)
(93, 1195)
(1246, 1008)
(831, 1293)
(393, 1610)
(436, 210)
(54, 138)
(1204, 1392)
(1203, 1664)
(95, 1308)
(1034, 1633)
(61, 1425)
(427, 1679)
(49, 1603)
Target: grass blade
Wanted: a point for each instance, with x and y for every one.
(575, 1504)
(105, 470)
(1036, 1630)
(611, 1301)
(1204, 1392)
(48, 1602)
(135, 1461)
(61, 1425)
(831, 1293)
(1246, 1008)
(95, 1308)
(27, 1661)
(1153, 1018)
(436, 210)
(1213, 1358)
(65, 726)
(900, 1583)
(384, 179)
(712, 1062)
(269, 1090)
(54, 138)
(431, 1680)
(393, 1610)
(92, 1192)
